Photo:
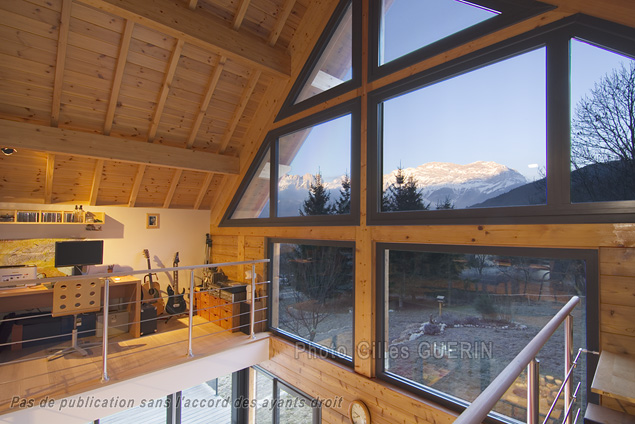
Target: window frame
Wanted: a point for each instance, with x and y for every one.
(352, 108)
(555, 38)
(591, 258)
(512, 12)
(308, 346)
(289, 107)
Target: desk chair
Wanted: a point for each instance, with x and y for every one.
(73, 298)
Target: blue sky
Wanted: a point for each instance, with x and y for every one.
(496, 113)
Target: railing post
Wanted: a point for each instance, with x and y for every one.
(104, 343)
(568, 351)
(533, 391)
(252, 312)
(191, 322)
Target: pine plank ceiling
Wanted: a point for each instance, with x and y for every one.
(147, 103)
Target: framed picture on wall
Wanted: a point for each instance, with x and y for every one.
(152, 220)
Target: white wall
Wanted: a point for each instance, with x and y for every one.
(125, 235)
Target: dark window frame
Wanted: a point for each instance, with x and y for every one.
(276, 383)
(558, 209)
(352, 108)
(289, 107)
(512, 12)
(308, 346)
(591, 258)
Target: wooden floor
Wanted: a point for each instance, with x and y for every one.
(34, 377)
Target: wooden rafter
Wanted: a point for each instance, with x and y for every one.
(203, 191)
(62, 42)
(240, 14)
(282, 19)
(177, 20)
(192, 4)
(175, 182)
(165, 89)
(50, 170)
(94, 190)
(136, 186)
(124, 47)
(238, 112)
(83, 144)
(211, 87)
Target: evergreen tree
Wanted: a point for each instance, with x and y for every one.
(403, 194)
(318, 201)
(343, 204)
(445, 204)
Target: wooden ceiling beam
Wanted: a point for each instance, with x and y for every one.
(60, 61)
(97, 146)
(124, 47)
(203, 191)
(165, 89)
(50, 170)
(192, 4)
(211, 87)
(175, 182)
(94, 190)
(282, 19)
(240, 14)
(136, 185)
(201, 29)
(238, 112)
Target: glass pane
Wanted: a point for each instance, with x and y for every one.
(207, 402)
(254, 203)
(314, 286)
(151, 411)
(408, 25)
(335, 64)
(454, 321)
(264, 398)
(313, 172)
(602, 127)
(475, 140)
(293, 408)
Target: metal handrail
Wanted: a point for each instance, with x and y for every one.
(484, 403)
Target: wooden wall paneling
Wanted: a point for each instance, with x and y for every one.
(618, 290)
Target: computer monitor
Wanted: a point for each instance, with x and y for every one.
(78, 253)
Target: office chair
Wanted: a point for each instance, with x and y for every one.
(73, 298)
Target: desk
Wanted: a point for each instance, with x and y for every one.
(615, 376)
(128, 288)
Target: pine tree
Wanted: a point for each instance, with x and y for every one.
(343, 204)
(445, 204)
(403, 194)
(318, 201)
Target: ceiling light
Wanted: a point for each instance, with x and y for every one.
(8, 150)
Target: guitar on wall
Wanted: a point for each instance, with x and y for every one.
(151, 288)
(176, 302)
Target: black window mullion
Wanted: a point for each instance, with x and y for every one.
(558, 122)
(273, 183)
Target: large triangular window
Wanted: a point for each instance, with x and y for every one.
(333, 66)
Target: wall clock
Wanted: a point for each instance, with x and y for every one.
(358, 412)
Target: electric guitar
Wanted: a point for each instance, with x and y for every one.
(151, 288)
(176, 303)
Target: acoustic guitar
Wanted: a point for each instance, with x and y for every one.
(151, 288)
(176, 302)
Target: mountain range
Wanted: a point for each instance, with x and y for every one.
(463, 185)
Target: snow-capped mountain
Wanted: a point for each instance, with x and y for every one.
(464, 185)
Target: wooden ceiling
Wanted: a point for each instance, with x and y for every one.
(147, 103)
